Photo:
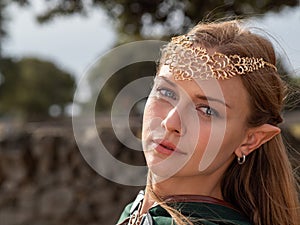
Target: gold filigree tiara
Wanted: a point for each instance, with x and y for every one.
(188, 62)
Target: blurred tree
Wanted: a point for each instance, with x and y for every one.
(4, 19)
(29, 87)
(118, 81)
(292, 79)
(293, 97)
(144, 18)
(138, 19)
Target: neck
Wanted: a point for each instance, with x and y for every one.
(207, 183)
(192, 185)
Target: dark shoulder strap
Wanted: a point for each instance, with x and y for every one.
(199, 198)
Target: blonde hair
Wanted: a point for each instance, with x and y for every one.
(264, 188)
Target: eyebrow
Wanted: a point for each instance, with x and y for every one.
(206, 98)
(167, 80)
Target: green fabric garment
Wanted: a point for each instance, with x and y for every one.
(198, 212)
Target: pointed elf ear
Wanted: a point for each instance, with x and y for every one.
(256, 137)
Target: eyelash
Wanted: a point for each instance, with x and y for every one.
(208, 112)
(160, 90)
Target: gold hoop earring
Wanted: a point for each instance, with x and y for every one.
(241, 160)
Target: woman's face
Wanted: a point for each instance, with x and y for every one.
(193, 127)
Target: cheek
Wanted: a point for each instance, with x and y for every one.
(197, 145)
(200, 140)
(156, 109)
(234, 137)
(213, 140)
(221, 147)
(151, 112)
(152, 118)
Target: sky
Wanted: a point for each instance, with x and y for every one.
(74, 43)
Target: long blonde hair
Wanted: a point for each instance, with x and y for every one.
(264, 188)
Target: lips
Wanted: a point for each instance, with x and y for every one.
(165, 147)
(168, 145)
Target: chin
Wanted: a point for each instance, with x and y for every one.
(164, 169)
(159, 174)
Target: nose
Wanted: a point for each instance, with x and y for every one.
(172, 122)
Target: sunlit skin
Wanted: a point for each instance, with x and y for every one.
(178, 113)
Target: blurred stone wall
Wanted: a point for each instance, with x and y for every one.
(44, 179)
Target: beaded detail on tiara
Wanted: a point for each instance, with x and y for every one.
(188, 62)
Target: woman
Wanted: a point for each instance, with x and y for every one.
(211, 137)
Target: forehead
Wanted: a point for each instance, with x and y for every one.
(231, 91)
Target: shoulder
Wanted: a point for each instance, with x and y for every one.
(200, 213)
(198, 209)
(125, 214)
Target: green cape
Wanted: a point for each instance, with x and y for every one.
(204, 212)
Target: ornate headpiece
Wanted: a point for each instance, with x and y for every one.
(188, 62)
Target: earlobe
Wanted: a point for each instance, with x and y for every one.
(256, 137)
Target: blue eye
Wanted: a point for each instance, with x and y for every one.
(207, 111)
(167, 93)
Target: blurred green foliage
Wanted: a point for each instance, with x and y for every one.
(30, 86)
(172, 16)
(26, 92)
(118, 81)
(5, 18)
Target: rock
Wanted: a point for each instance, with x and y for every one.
(56, 202)
(44, 179)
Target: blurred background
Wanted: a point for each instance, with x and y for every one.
(46, 46)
